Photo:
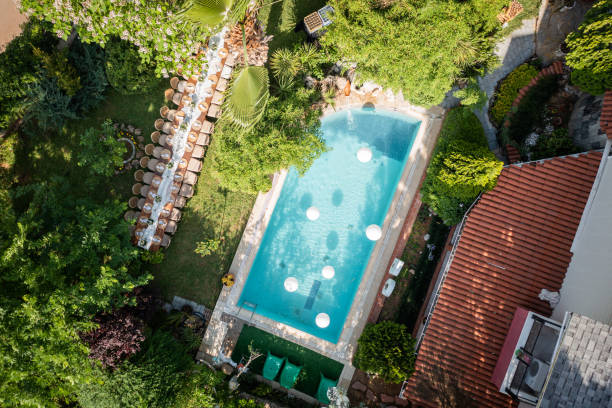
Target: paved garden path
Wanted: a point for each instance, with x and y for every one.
(512, 51)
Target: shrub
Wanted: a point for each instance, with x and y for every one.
(19, 69)
(590, 55)
(47, 106)
(386, 349)
(124, 69)
(118, 336)
(56, 65)
(530, 112)
(557, 143)
(101, 153)
(152, 378)
(508, 91)
(88, 59)
(471, 95)
(461, 167)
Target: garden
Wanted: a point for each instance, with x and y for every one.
(81, 321)
(533, 105)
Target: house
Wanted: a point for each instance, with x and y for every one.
(521, 312)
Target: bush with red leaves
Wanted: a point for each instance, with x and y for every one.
(120, 333)
(118, 337)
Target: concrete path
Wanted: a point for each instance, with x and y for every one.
(515, 49)
(10, 22)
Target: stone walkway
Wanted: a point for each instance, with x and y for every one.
(539, 36)
(515, 49)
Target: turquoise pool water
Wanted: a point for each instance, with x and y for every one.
(350, 195)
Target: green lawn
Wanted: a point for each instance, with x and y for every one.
(313, 364)
(211, 213)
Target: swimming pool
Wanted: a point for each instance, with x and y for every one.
(349, 195)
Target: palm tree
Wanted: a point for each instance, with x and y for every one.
(211, 13)
(248, 95)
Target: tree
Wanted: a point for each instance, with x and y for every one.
(101, 153)
(288, 135)
(66, 257)
(439, 385)
(590, 56)
(124, 70)
(19, 69)
(462, 166)
(154, 26)
(418, 47)
(387, 350)
(248, 93)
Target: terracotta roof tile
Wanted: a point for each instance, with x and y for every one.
(516, 242)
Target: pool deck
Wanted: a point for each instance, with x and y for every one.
(365, 297)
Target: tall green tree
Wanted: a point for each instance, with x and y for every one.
(462, 166)
(590, 55)
(419, 47)
(101, 153)
(288, 135)
(387, 350)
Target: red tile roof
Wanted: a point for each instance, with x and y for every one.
(516, 242)
(605, 121)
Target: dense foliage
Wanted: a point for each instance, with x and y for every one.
(65, 256)
(19, 70)
(118, 336)
(462, 166)
(471, 95)
(530, 112)
(508, 91)
(153, 26)
(419, 47)
(163, 374)
(387, 350)
(556, 143)
(124, 70)
(287, 135)
(47, 85)
(590, 55)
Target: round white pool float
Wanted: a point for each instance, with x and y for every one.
(328, 272)
(291, 284)
(364, 155)
(313, 213)
(322, 320)
(373, 232)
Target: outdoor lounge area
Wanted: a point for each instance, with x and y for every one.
(289, 364)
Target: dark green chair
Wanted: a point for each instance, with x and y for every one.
(272, 366)
(289, 375)
(324, 385)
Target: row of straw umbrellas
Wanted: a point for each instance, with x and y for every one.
(159, 155)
